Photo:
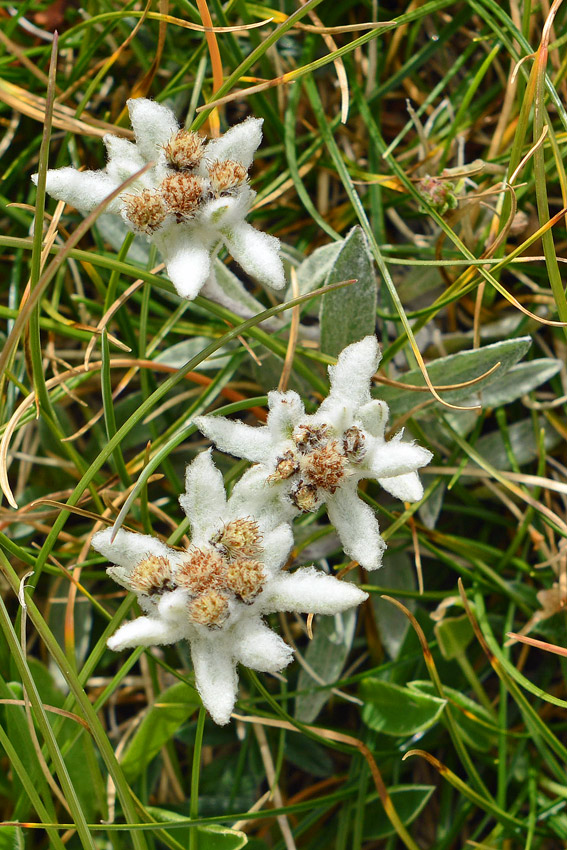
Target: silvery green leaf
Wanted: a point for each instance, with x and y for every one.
(349, 314)
(233, 288)
(522, 440)
(179, 354)
(456, 369)
(430, 510)
(518, 381)
(312, 272)
(397, 573)
(326, 655)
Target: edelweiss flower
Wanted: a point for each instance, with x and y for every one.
(307, 460)
(215, 593)
(195, 196)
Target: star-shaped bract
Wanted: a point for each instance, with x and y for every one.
(195, 196)
(215, 593)
(307, 460)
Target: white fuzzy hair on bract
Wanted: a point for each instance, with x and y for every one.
(242, 637)
(188, 242)
(306, 460)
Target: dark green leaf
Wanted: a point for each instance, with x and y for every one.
(393, 710)
(326, 655)
(408, 801)
(11, 838)
(170, 710)
(211, 837)
(453, 635)
(476, 725)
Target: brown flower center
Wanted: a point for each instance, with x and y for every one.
(185, 150)
(202, 570)
(152, 576)
(182, 194)
(226, 175)
(209, 609)
(245, 579)
(239, 538)
(325, 467)
(146, 211)
(318, 462)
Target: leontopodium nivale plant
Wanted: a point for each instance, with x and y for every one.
(305, 460)
(193, 198)
(215, 593)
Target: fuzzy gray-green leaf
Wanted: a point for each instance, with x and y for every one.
(349, 314)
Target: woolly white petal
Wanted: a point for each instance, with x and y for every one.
(309, 591)
(215, 675)
(116, 146)
(153, 126)
(226, 211)
(373, 417)
(129, 548)
(406, 487)
(123, 158)
(356, 526)
(204, 499)
(145, 631)
(187, 256)
(277, 546)
(350, 378)
(235, 437)
(258, 647)
(238, 143)
(255, 496)
(286, 411)
(397, 458)
(257, 253)
(83, 190)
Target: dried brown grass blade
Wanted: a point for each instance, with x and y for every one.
(539, 644)
(53, 709)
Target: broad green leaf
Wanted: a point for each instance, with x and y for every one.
(308, 755)
(397, 573)
(326, 655)
(349, 314)
(456, 369)
(11, 838)
(522, 440)
(170, 710)
(393, 710)
(211, 837)
(518, 381)
(408, 800)
(453, 635)
(476, 725)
